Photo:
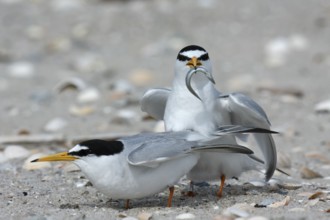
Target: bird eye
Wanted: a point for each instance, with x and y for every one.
(183, 57)
(204, 57)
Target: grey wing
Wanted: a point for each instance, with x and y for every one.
(172, 145)
(244, 111)
(153, 153)
(223, 148)
(154, 101)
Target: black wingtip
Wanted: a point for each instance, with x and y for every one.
(262, 130)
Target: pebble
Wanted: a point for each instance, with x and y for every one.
(82, 183)
(323, 107)
(59, 45)
(144, 216)
(298, 42)
(21, 69)
(55, 125)
(125, 116)
(276, 52)
(258, 183)
(81, 110)
(35, 166)
(238, 210)
(122, 86)
(307, 173)
(15, 151)
(185, 216)
(89, 63)
(88, 95)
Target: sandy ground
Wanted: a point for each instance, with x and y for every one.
(275, 51)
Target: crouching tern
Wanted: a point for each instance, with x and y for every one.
(194, 103)
(145, 164)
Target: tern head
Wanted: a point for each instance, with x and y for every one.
(192, 61)
(87, 149)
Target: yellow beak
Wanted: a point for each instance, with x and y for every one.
(194, 62)
(64, 156)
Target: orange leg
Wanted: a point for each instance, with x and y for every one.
(127, 204)
(223, 178)
(169, 201)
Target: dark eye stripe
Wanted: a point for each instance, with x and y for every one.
(183, 57)
(204, 57)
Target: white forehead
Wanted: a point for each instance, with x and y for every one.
(77, 148)
(193, 53)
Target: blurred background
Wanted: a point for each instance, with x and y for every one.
(73, 69)
(81, 66)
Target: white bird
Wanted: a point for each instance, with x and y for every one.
(194, 103)
(144, 164)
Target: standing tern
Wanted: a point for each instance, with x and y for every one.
(194, 103)
(144, 164)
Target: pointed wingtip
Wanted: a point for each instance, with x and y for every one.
(262, 130)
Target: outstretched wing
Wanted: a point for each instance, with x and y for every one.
(154, 101)
(244, 111)
(173, 145)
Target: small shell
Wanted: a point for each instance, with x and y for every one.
(15, 151)
(316, 195)
(88, 95)
(284, 202)
(21, 69)
(185, 216)
(323, 107)
(73, 83)
(290, 186)
(144, 216)
(307, 173)
(81, 111)
(55, 125)
(315, 155)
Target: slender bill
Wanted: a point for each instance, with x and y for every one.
(191, 73)
(63, 156)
